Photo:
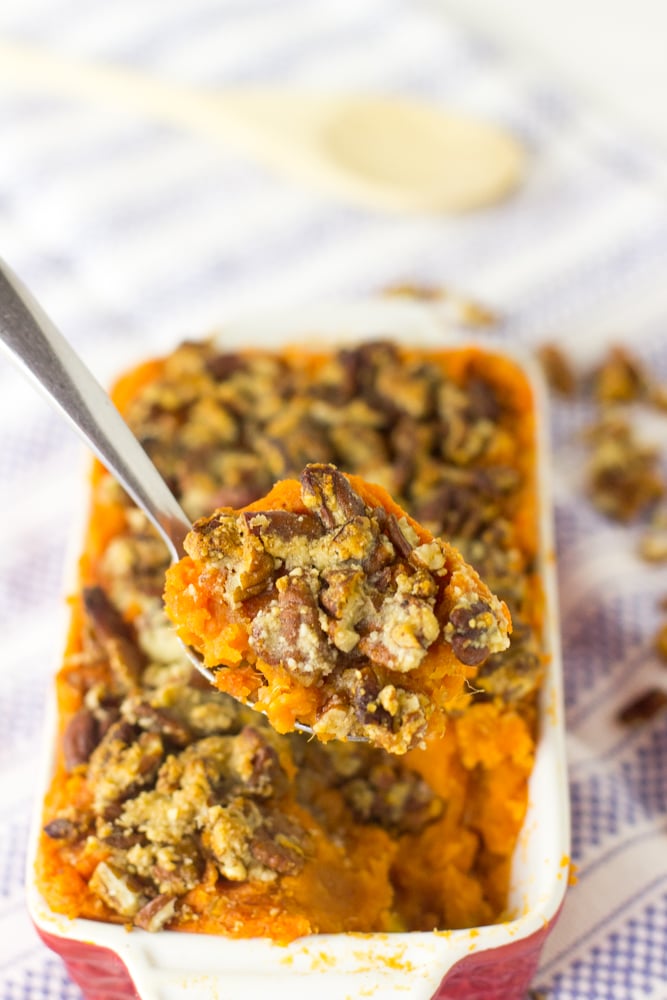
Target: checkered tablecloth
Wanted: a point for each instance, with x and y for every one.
(135, 234)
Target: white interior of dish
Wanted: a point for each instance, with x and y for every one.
(172, 965)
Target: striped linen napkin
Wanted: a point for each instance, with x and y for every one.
(134, 235)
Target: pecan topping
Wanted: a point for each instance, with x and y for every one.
(62, 828)
(122, 891)
(156, 914)
(289, 632)
(328, 494)
(125, 761)
(472, 627)
(80, 738)
(351, 597)
(280, 845)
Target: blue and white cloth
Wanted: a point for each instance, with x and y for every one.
(134, 235)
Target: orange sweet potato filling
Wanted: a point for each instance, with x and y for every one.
(454, 872)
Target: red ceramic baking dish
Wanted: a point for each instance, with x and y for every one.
(493, 962)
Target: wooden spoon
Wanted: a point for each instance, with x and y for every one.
(384, 152)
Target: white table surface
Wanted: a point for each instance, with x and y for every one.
(612, 52)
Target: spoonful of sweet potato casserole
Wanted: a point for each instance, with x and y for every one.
(323, 605)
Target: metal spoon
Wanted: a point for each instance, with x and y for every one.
(36, 346)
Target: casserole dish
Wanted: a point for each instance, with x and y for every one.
(494, 960)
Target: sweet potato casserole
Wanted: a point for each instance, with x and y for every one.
(328, 607)
(173, 805)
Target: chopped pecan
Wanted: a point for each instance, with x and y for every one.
(156, 914)
(222, 365)
(176, 867)
(288, 631)
(280, 845)
(231, 830)
(346, 602)
(62, 828)
(397, 536)
(81, 736)
(557, 370)
(105, 619)
(471, 624)
(158, 720)
(125, 761)
(620, 378)
(214, 537)
(328, 494)
(394, 797)
(515, 674)
(256, 764)
(123, 839)
(284, 534)
(122, 891)
(115, 636)
(364, 694)
(482, 400)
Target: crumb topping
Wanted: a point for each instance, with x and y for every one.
(341, 595)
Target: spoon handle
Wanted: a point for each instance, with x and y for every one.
(39, 349)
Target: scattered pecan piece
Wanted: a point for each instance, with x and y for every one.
(558, 371)
(620, 378)
(623, 473)
(643, 708)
